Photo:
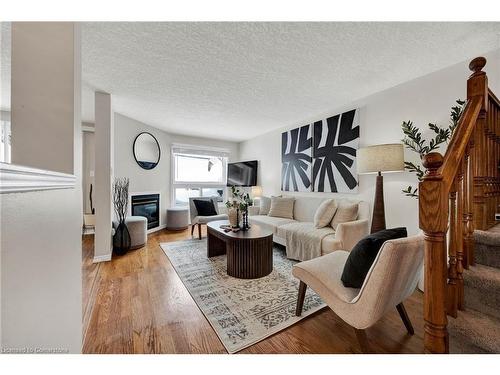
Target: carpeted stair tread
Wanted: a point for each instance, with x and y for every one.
(487, 247)
(482, 289)
(474, 332)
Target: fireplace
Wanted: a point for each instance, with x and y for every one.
(147, 205)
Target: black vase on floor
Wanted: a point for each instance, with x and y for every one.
(121, 239)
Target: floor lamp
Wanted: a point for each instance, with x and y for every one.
(377, 159)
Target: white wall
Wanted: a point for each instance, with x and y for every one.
(423, 100)
(157, 179)
(41, 280)
(41, 263)
(43, 98)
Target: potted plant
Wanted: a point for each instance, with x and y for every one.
(239, 202)
(121, 238)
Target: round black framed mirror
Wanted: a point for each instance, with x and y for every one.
(146, 150)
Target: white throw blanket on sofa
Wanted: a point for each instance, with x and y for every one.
(303, 240)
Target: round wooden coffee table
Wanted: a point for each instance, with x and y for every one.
(249, 253)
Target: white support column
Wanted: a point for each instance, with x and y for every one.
(104, 128)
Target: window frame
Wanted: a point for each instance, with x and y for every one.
(222, 153)
(6, 147)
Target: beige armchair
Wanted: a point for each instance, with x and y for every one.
(200, 220)
(391, 279)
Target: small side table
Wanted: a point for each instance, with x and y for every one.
(177, 218)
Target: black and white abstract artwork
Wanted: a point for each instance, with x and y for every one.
(296, 159)
(335, 143)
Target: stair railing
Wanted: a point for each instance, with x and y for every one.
(459, 193)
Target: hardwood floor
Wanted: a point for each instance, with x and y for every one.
(137, 304)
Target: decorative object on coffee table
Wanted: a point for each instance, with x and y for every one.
(376, 159)
(249, 253)
(240, 201)
(121, 238)
(233, 215)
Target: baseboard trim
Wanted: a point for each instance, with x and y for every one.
(102, 258)
(18, 179)
(152, 230)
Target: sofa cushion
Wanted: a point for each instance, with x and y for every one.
(265, 205)
(204, 207)
(330, 244)
(324, 213)
(282, 207)
(305, 207)
(269, 222)
(363, 255)
(323, 276)
(346, 211)
(282, 229)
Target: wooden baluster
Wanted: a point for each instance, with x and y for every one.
(491, 174)
(452, 300)
(492, 158)
(459, 236)
(493, 114)
(465, 212)
(470, 199)
(433, 218)
(496, 119)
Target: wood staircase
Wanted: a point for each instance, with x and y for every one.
(459, 194)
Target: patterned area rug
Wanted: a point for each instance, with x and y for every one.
(242, 312)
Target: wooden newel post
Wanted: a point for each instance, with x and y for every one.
(477, 86)
(433, 220)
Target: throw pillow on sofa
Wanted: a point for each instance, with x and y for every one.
(265, 205)
(363, 255)
(204, 207)
(346, 211)
(324, 213)
(282, 207)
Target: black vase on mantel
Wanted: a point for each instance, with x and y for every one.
(121, 239)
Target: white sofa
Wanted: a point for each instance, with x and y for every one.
(345, 237)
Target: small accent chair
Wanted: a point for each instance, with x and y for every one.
(199, 220)
(392, 278)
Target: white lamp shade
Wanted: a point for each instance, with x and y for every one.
(256, 191)
(381, 158)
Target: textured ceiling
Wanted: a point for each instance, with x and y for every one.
(238, 80)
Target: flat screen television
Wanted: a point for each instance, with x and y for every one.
(243, 173)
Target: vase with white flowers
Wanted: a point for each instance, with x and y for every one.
(236, 205)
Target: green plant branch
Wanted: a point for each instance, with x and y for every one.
(414, 140)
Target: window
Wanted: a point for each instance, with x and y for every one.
(198, 172)
(5, 141)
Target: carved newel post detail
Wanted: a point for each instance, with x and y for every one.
(477, 86)
(433, 220)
